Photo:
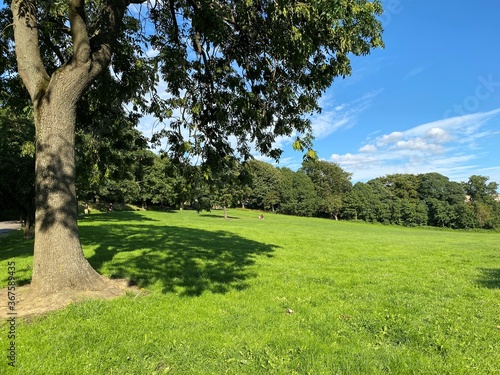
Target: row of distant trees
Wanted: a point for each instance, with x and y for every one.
(116, 165)
(320, 188)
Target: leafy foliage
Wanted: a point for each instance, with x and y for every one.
(264, 192)
(252, 69)
(159, 183)
(330, 182)
(298, 196)
(17, 166)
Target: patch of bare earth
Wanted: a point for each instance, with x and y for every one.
(28, 305)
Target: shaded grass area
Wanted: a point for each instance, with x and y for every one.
(490, 277)
(13, 247)
(282, 295)
(184, 260)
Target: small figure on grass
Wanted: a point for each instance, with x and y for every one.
(261, 216)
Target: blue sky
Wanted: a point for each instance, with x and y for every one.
(428, 102)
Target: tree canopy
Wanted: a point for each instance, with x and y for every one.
(251, 70)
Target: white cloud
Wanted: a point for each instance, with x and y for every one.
(336, 116)
(389, 138)
(448, 146)
(326, 123)
(438, 135)
(466, 125)
(368, 148)
(414, 72)
(357, 160)
(418, 144)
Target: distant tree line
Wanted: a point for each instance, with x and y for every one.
(320, 188)
(115, 165)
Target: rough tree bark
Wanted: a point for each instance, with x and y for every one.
(59, 262)
(58, 258)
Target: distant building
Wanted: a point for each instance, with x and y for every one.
(497, 198)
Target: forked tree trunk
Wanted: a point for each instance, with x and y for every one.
(58, 261)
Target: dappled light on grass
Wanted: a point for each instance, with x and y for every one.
(181, 260)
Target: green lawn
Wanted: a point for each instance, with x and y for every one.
(283, 295)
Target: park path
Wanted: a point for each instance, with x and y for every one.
(7, 226)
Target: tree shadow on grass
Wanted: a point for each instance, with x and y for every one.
(115, 216)
(218, 216)
(489, 278)
(13, 247)
(181, 260)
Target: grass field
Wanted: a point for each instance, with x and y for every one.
(283, 295)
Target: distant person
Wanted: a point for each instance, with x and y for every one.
(261, 216)
(86, 210)
(110, 208)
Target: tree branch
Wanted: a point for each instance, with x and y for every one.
(46, 39)
(29, 62)
(174, 20)
(79, 34)
(102, 43)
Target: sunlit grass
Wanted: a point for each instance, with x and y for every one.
(283, 295)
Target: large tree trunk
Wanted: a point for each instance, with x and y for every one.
(58, 261)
